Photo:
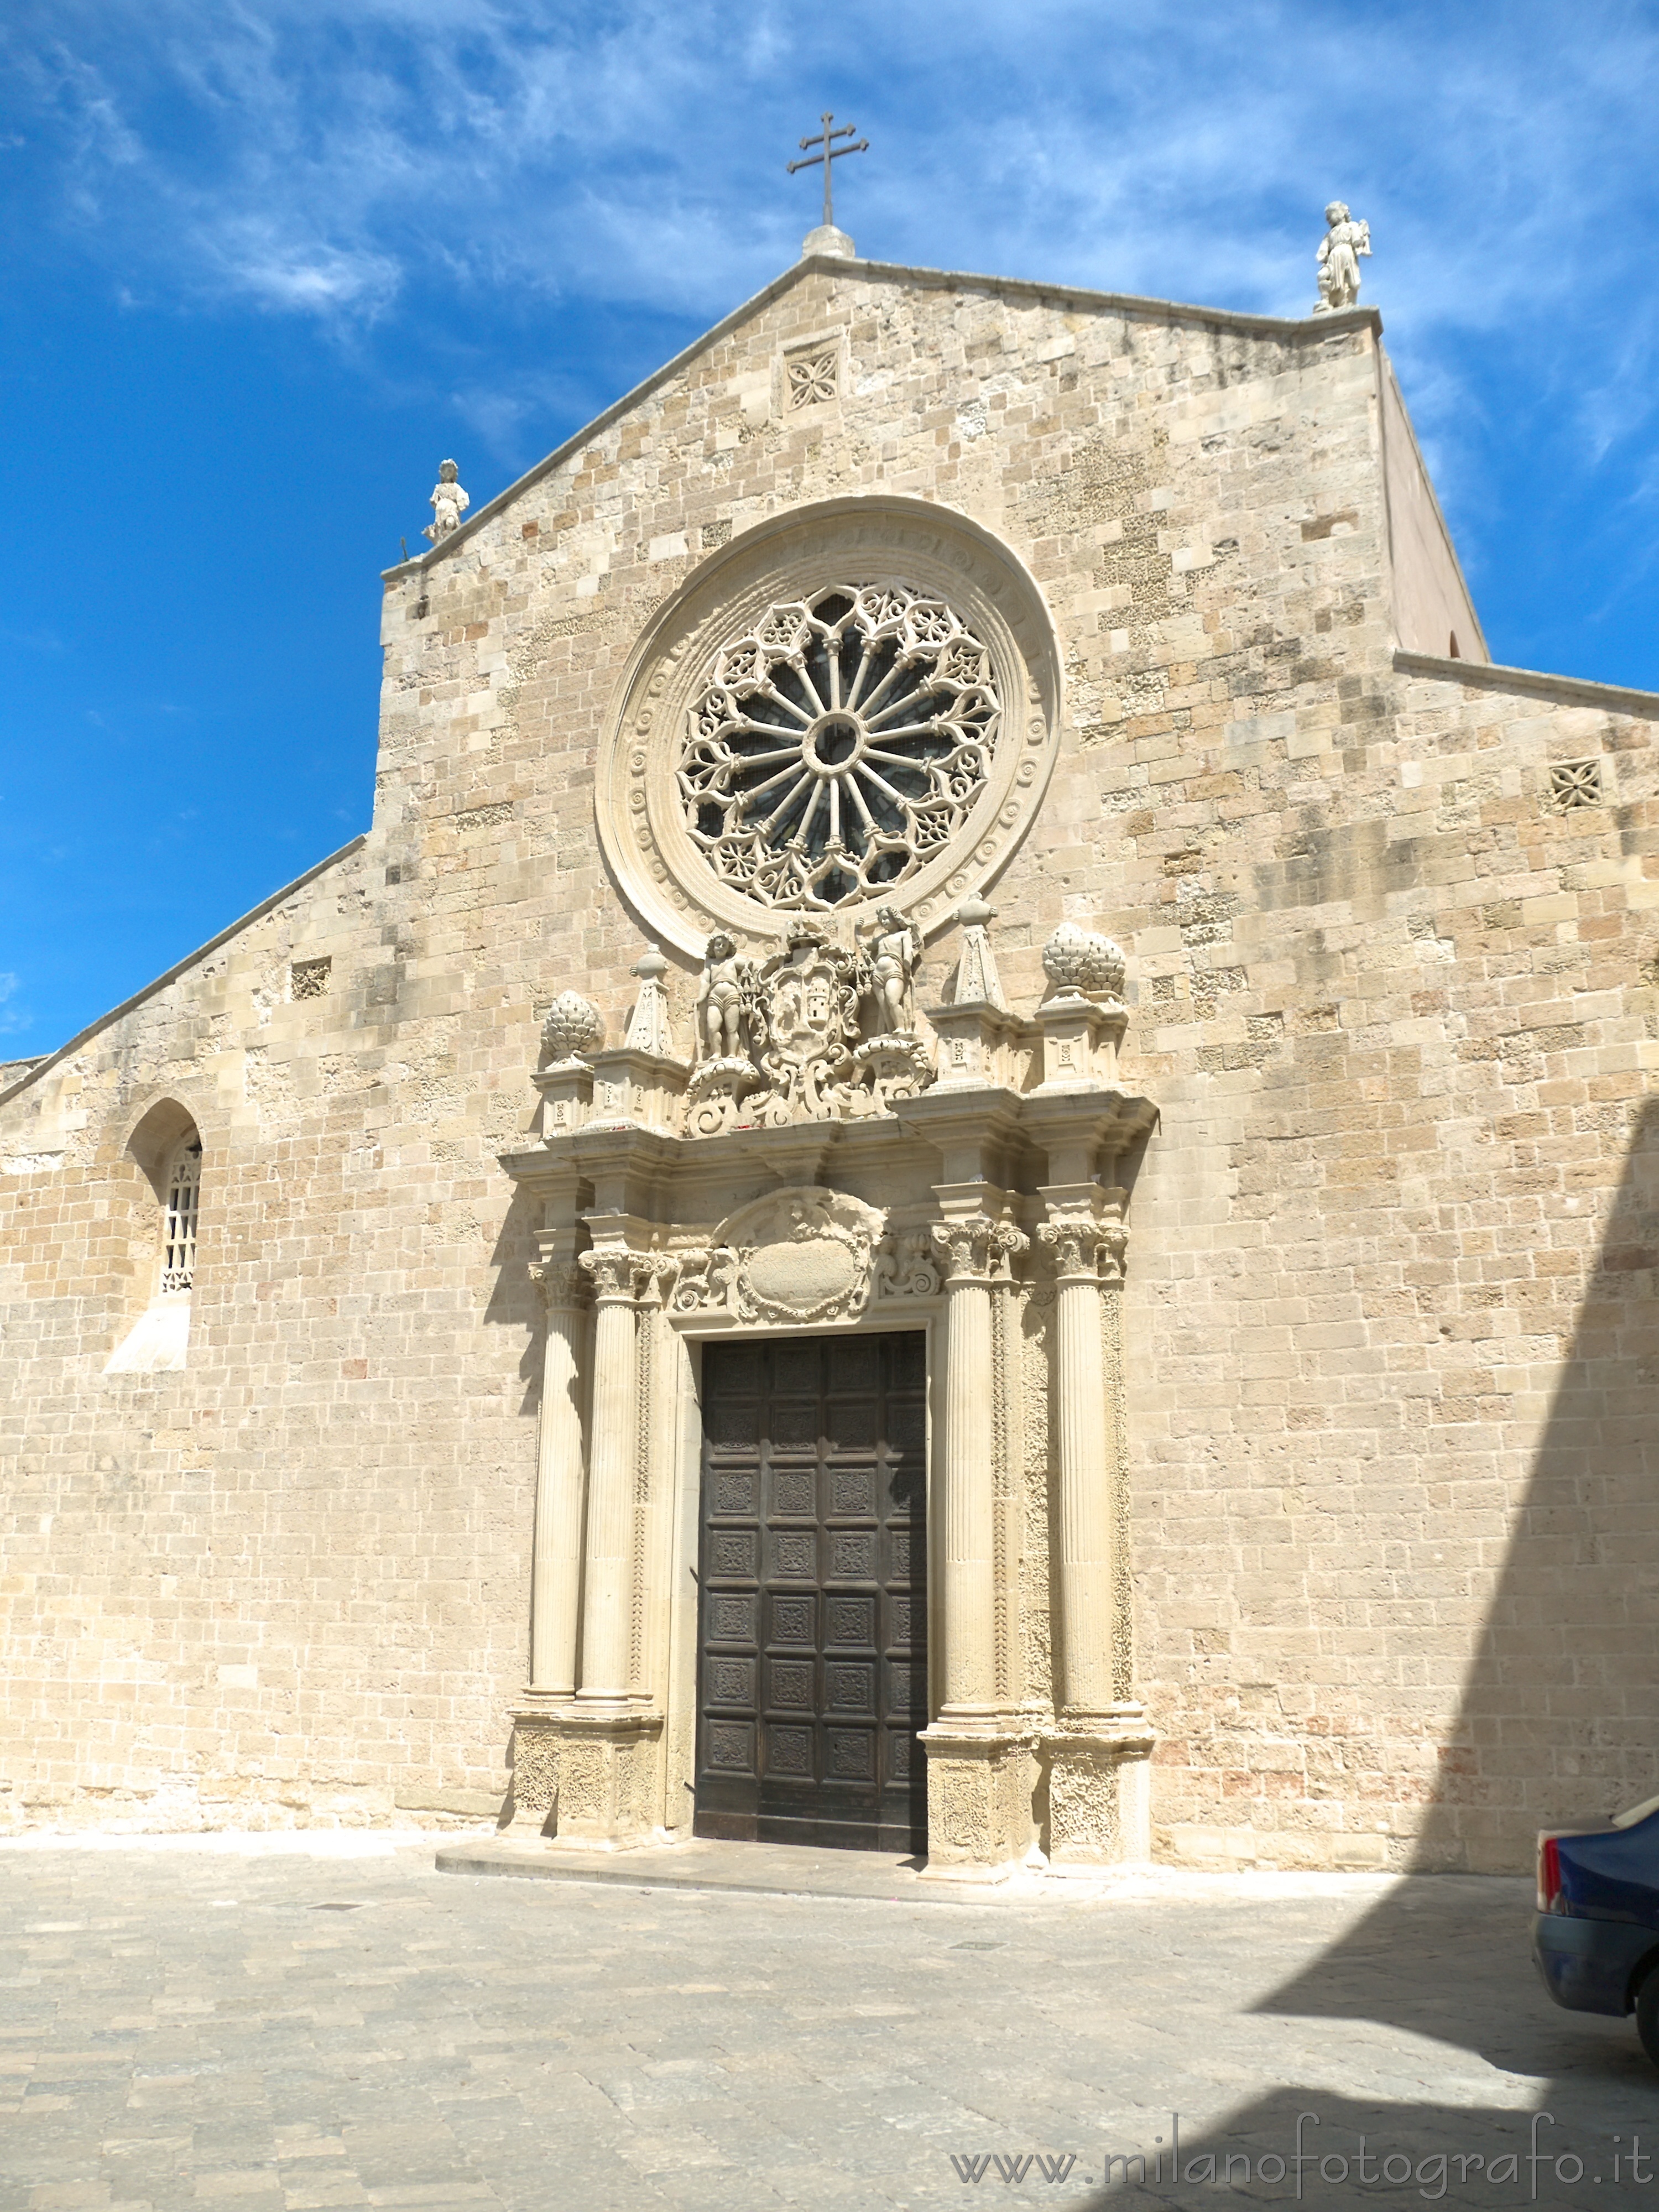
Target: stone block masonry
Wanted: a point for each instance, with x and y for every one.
(1389, 1304)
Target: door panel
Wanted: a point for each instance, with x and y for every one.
(812, 1648)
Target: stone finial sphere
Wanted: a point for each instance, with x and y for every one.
(573, 1026)
(1081, 962)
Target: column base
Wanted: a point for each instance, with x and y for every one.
(1097, 1778)
(980, 1780)
(585, 1781)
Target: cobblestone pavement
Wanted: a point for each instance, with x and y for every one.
(278, 2029)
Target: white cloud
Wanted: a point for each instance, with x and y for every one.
(12, 1018)
(433, 158)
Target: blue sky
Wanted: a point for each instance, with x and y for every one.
(268, 261)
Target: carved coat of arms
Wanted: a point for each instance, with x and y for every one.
(783, 1041)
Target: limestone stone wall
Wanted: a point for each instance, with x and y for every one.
(1393, 1003)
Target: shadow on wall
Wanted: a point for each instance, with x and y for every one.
(1558, 1722)
(1559, 1726)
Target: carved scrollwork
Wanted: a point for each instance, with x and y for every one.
(705, 1281)
(904, 1267)
(802, 1254)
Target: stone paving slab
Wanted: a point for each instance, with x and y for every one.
(272, 2028)
(759, 1869)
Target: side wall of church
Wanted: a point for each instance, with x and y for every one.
(1388, 1018)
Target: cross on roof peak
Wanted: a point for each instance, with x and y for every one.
(836, 241)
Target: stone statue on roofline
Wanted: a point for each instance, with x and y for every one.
(1340, 250)
(449, 503)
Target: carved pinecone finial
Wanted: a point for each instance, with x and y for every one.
(1083, 964)
(573, 1026)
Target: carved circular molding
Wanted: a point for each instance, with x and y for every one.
(700, 696)
(839, 745)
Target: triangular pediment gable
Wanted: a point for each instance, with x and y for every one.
(945, 283)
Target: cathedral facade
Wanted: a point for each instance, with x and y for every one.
(967, 1167)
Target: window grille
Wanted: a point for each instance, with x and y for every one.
(178, 1238)
(812, 378)
(1574, 784)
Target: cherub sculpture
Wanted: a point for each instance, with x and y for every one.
(449, 503)
(1340, 252)
(894, 954)
(728, 982)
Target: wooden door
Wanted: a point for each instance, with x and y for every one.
(812, 1648)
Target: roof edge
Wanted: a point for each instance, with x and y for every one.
(1490, 676)
(173, 974)
(938, 280)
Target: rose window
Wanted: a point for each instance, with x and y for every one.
(832, 751)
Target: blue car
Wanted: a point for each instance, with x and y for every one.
(1596, 1939)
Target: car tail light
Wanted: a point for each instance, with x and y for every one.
(1549, 1873)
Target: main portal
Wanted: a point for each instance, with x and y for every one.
(812, 1645)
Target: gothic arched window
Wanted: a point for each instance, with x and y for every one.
(183, 1187)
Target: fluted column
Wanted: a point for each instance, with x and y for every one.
(607, 1562)
(970, 1247)
(557, 1559)
(1080, 1235)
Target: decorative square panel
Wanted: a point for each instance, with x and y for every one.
(907, 1688)
(898, 1555)
(852, 1428)
(731, 1619)
(789, 1751)
(732, 1371)
(851, 1753)
(851, 1489)
(794, 1428)
(733, 1551)
(907, 1427)
(812, 377)
(729, 1423)
(796, 1370)
(854, 1365)
(901, 1754)
(729, 1682)
(791, 1620)
(850, 1620)
(852, 1555)
(1572, 784)
(795, 1490)
(795, 1555)
(737, 1490)
(907, 1494)
(907, 1623)
(789, 1684)
(849, 1686)
(729, 1746)
(907, 1361)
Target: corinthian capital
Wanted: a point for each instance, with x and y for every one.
(614, 1271)
(1086, 1244)
(558, 1282)
(974, 1248)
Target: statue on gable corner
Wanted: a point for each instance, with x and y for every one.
(449, 503)
(1340, 250)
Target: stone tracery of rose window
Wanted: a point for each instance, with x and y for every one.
(835, 748)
